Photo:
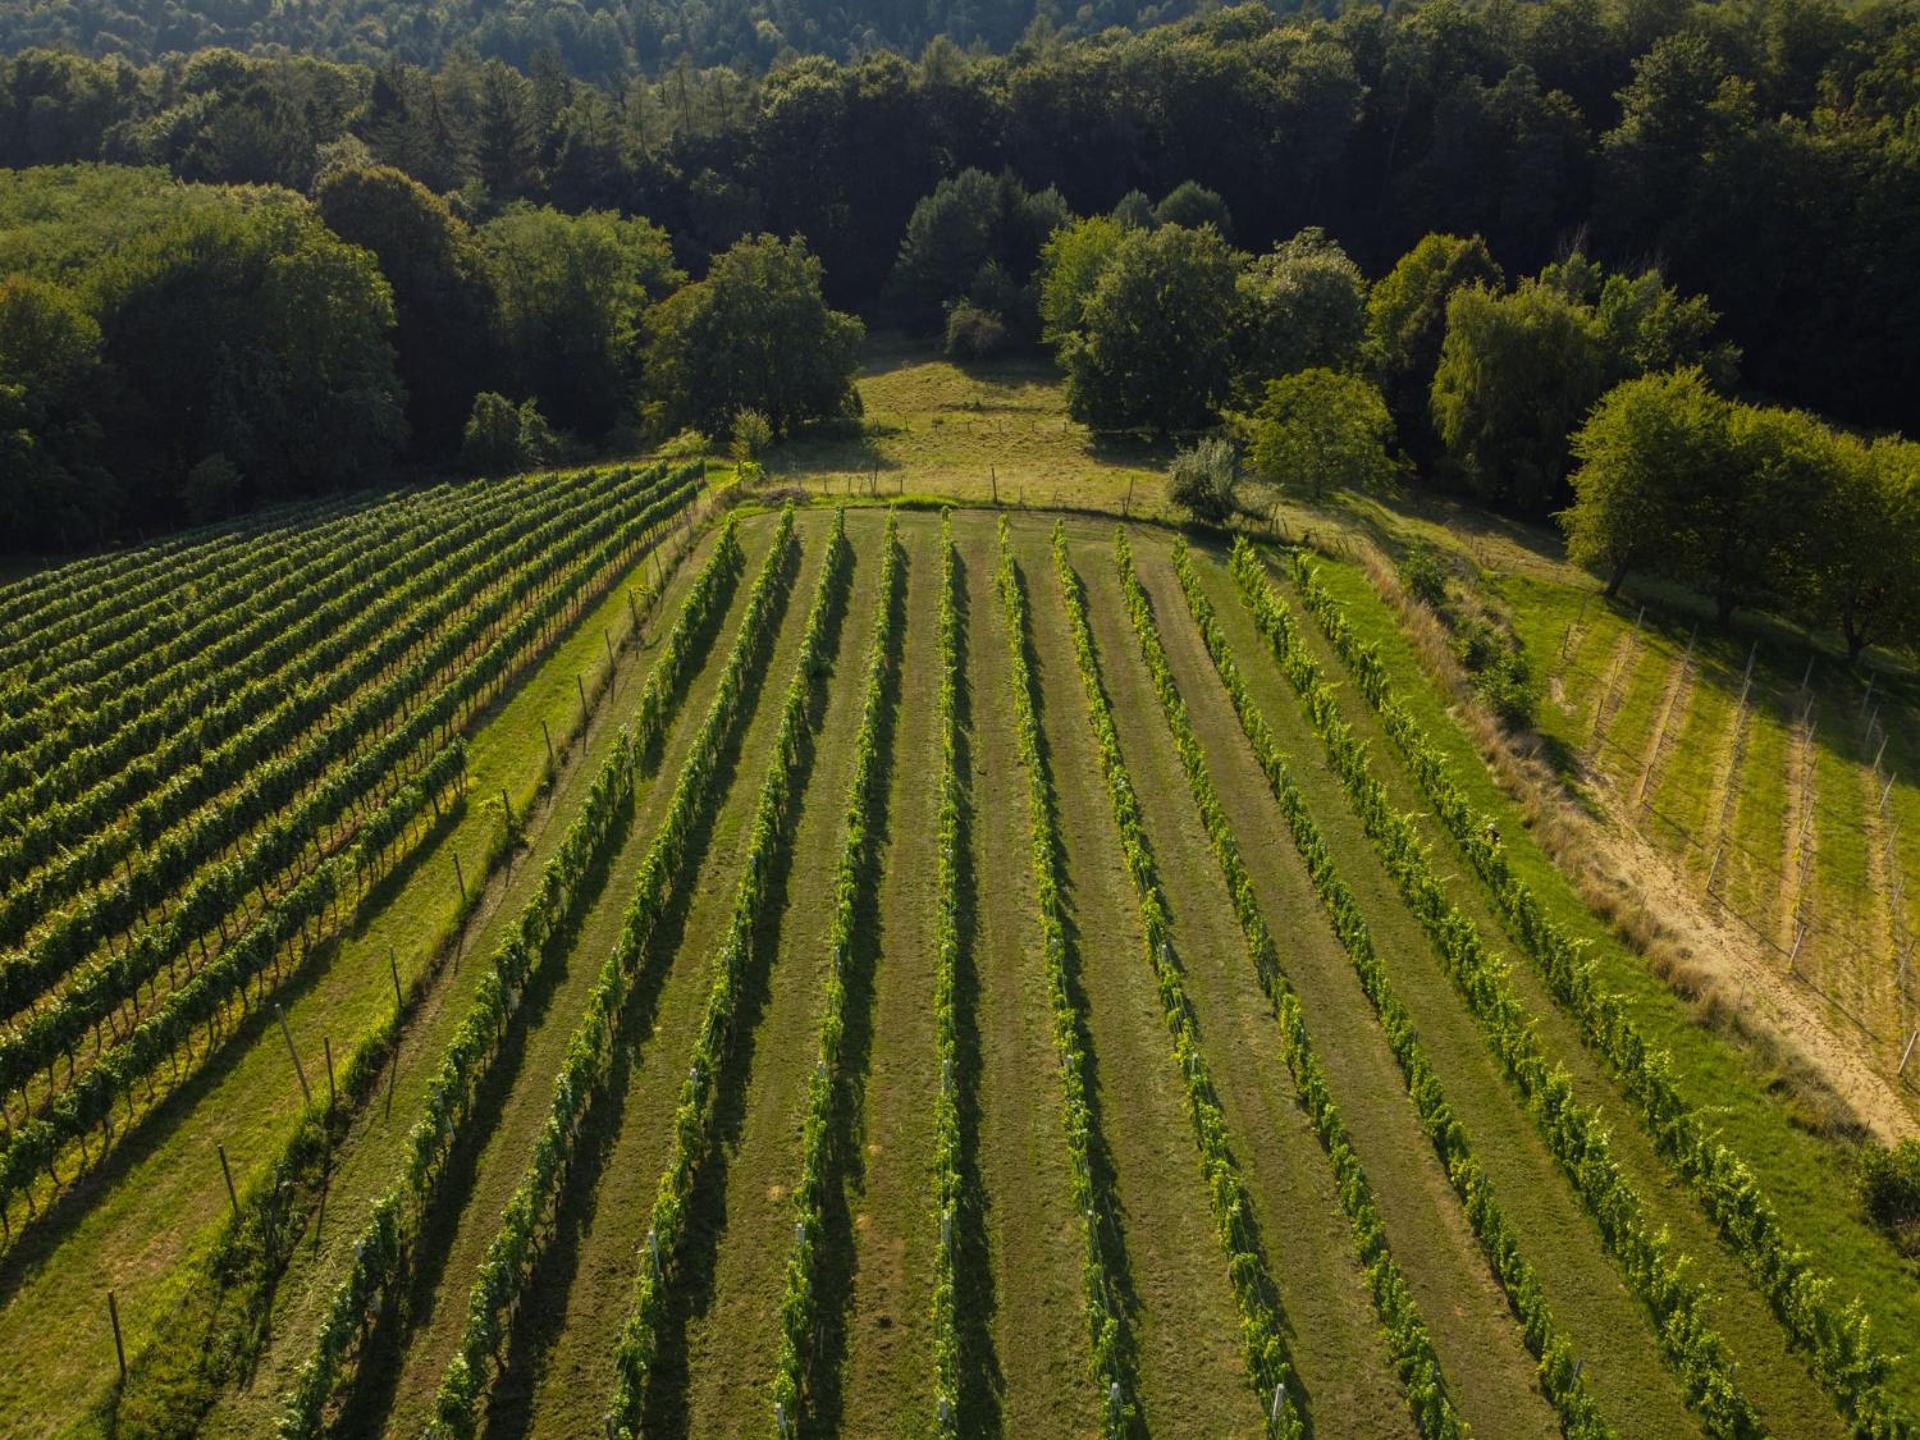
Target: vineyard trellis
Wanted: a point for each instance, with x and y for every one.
(1835, 1339)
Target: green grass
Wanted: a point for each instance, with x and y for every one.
(932, 429)
(1807, 1177)
(159, 1205)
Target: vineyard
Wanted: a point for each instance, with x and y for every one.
(1778, 783)
(566, 957)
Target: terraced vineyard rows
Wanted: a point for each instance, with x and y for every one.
(866, 973)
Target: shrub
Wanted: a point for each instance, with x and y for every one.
(1890, 1186)
(689, 444)
(1425, 577)
(974, 333)
(212, 487)
(752, 434)
(1203, 480)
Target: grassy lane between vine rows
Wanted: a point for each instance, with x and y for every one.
(889, 1192)
(365, 1165)
(1779, 1386)
(560, 1368)
(1030, 1370)
(145, 1222)
(1658, 1273)
(1421, 1042)
(741, 1215)
(405, 1372)
(1806, 1178)
(1581, 1281)
(1186, 1326)
(1479, 1347)
(898, 1230)
(675, 1260)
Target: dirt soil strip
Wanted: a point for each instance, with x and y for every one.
(1035, 1379)
(889, 1371)
(1186, 1326)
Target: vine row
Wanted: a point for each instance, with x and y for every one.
(1836, 1338)
(1558, 1371)
(798, 1304)
(383, 1251)
(1269, 1366)
(1575, 1135)
(1112, 1359)
(637, 1348)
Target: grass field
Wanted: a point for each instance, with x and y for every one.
(616, 1088)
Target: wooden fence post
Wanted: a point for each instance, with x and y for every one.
(298, 1069)
(226, 1172)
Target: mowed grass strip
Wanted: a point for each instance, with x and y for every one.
(153, 1212)
(1776, 1380)
(1254, 1298)
(561, 1369)
(368, 1161)
(1579, 1280)
(1030, 1368)
(400, 1396)
(897, 1236)
(719, 1365)
(1435, 1274)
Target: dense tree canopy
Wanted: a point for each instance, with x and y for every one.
(1155, 346)
(756, 334)
(1752, 505)
(1764, 152)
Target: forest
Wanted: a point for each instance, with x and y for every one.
(1644, 186)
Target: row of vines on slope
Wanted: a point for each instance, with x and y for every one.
(383, 1253)
(1408, 1339)
(1112, 1356)
(1268, 1364)
(1836, 1338)
(1575, 1135)
(799, 1305)
(1559, 1373)
(637, 1349)
(949, 1181)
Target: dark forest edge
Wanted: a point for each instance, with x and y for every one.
(495, 300)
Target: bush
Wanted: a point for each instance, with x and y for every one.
(689, 444)
(1890, 1187)
(1203, 480)
(974, 333)
(1424, 576)
(211, 488)
(752, 434)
